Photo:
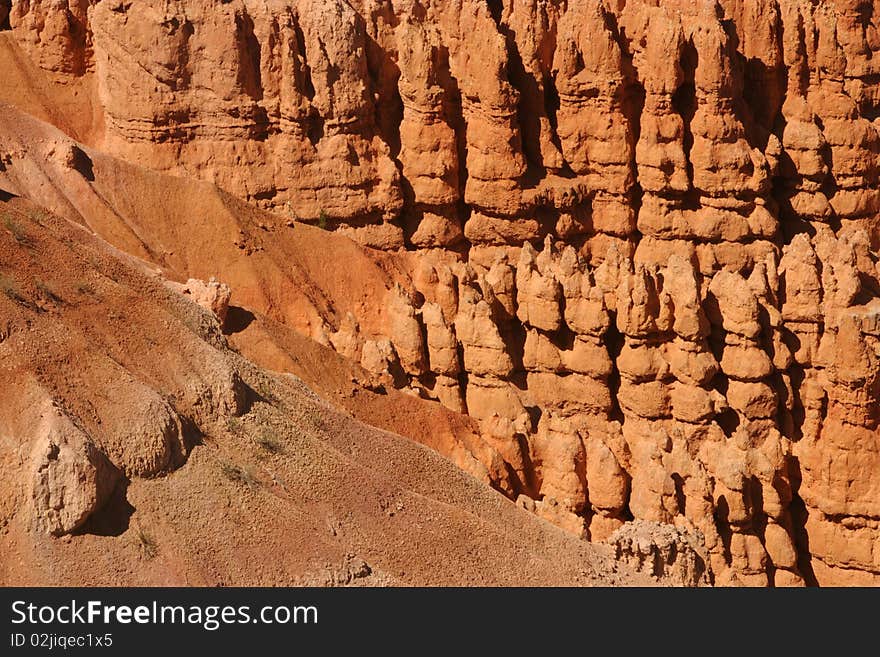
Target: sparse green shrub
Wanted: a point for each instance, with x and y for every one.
(265, 392)
(239, 474)
(323, 221)
(40, 216)
(11, 290)
(267, 441)
(147, 544)
(315, 418)
(48, 293)
(17, 230)
(85, 288)
(234, 425)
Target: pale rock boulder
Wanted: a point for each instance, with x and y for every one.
(144, 439)
(70, 478)
(216, 389)
(212, 295)
(379, 356)
(347, 339)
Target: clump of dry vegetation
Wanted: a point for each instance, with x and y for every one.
(239, 474)
(147, 544)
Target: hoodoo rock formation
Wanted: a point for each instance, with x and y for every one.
(636, 241)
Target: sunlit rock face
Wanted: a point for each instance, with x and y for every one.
(642, 236)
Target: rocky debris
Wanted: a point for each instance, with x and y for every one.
(662, 551)
(145, 439)
(89, 427)
(212, 295)
(353, 571)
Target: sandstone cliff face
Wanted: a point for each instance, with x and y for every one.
(642, 236)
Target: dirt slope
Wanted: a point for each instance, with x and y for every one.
(253, 479)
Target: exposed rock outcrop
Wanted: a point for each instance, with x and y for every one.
(662, 551)
(212, 295)
(71, 478)
(641, 240)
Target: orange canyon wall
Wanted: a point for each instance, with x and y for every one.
(642, 236)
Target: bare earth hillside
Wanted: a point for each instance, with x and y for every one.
(139, 449)
(614, 259)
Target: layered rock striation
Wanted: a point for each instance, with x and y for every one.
(641, 236)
